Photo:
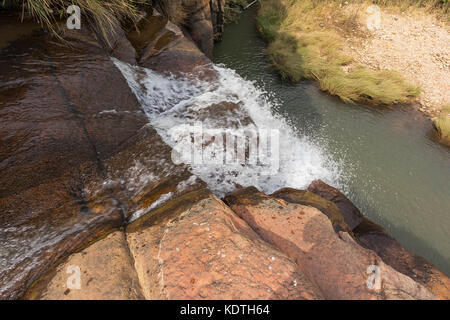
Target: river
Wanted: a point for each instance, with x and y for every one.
(384, 159)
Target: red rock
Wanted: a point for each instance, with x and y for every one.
(310, 199)
(106, 272)
(197, 248)
(374, 237)
(351, 214)
(333, 262)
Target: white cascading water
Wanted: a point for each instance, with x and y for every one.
(172, 102)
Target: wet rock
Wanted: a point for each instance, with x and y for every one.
(162, 46)
(105, 271)
(335, 263)
(11, 30)
(145, 175)
(117, 44)
(374, 237)
(153, 34)
(52, 147)
(310, 199)
(180, 58)
(351, 214)
(205, 22)
(113, 40)
(195, 247)
(70, 130)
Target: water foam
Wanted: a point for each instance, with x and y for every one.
(169, 101)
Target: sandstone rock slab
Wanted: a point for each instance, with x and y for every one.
(202, 250)
(335, 263)
(374, 237)
(351, 214)
(105, 271)
(310, 199)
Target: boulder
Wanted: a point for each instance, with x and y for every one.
(351, 214)
(195, 247)
(102, 271)
(162, 46)
(153, 34)
(205, 22)
(310, 199)
(334, 262)
(374, 237)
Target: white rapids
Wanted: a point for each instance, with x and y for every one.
(172, 102)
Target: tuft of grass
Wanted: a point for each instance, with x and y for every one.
(104, 14)
(304, 44)
(442, 124)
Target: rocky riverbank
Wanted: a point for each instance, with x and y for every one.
(88, 186)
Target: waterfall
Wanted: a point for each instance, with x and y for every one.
(174, 102)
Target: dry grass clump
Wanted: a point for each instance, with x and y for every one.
(442, 124)
(103, 13)
(305, 41)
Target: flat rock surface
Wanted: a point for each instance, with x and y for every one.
(334, 262)
(374, 237)
(103, 271)
(206, 252)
